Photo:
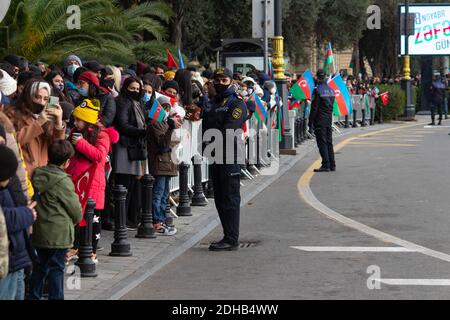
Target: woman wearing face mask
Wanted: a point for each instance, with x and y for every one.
(58, 87)
(130, 154)
(89, 88)
(36, 126)
(71, 64)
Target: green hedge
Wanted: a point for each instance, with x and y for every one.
(397, 102)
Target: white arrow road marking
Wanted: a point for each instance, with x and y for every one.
(354, 249)
(435, 127)
(415, 282)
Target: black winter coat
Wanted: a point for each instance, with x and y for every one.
(126, 123)
(107, 109)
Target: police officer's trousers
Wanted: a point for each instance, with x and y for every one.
(324, 137)
(227, 197)
(439, 107)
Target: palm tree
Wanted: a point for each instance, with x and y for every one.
(107, 32)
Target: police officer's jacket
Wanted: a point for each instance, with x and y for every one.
(225, 112)
(322, 105)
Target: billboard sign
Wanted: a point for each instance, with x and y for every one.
(431, 30)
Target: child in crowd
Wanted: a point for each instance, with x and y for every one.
(18, 220)
(59, 211)
(92, 142)
(161, 165)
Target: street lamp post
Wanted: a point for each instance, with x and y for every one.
(278, 69)
(410, 111)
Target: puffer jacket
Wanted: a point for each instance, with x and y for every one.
(58, 209)
(87, 155)
(18, 220)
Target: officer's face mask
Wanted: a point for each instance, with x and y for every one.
(221, 85)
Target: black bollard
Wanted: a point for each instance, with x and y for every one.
(198, 199)
(184, 209)
(355, 125)
(85, 262)
(120, 247)
(347, 125)
(146, 229)
(297, 131)
(209, 192)
(169, 218)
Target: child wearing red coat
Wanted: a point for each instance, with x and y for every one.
(92, 143)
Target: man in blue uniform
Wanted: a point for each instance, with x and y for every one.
(226, 113)
(321, 118)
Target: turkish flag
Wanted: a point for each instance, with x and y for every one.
(385, 98)
(171, 63)
(82, 185)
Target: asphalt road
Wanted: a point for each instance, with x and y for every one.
(396, 182)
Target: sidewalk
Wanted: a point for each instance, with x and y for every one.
(117, 275)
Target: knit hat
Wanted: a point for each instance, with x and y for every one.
(7, 84)
(169, 75)
(88, 111)
(170, 84)
(8, 163)
(72, 58)
(92, 79)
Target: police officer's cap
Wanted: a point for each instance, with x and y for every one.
(223, 72)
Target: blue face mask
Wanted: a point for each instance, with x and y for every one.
(146, 97)
(83, 92)
(71, 69)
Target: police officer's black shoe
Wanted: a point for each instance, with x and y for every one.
(223, 246)
(333, 169)
(322, 170)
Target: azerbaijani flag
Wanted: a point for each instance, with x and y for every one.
(260, 112)
(329, 59)
(157, 112)
(303, 89)
(343, 103)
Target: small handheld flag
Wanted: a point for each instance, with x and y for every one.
(385, 98)
(343, 102)
(303, 89)
(157, 112)
(171, 63)
(329, 59)
(260, 112)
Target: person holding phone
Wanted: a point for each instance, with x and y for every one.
(36, 125)
(56, 80)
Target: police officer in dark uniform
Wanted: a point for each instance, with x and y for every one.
(321, 118)
(226, 112)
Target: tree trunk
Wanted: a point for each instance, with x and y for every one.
(177, 32)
